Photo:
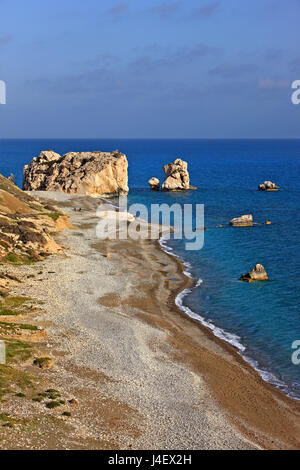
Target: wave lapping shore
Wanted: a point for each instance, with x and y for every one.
(231, 338)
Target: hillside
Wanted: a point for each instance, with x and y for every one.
(26, 226)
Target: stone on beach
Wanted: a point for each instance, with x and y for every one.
(258, 273)
(177, 176)
(91, 173)
(243, 221)
(44, 362)
(268, 186)
(154, 184)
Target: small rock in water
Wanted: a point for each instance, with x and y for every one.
(243, 221)
(268, 186)
(154, 184)
(258, 273)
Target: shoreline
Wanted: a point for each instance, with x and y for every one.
(230, 338)
(278, 394)
(147, 375)
(227, 345)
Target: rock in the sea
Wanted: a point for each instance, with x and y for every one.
(243, 221)
(154, 184)
(268, 186)
(258, 273)
(92, 173)
(177, 176)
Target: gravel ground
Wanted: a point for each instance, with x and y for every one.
(100, 317)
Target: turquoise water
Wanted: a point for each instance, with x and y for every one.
(261, 319)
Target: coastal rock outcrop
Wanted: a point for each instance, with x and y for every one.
(154, 184)
(258, 273)
(92, 173)
(243, 221)
(26, 225)
(177, 176)
(268, 186)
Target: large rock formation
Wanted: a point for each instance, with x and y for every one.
(92, 173)
(258, 273)
(243, 221)
(268, 186)
(177, 176)
(154, 184)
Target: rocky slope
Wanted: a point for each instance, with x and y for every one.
(26, 226)
(93, 173)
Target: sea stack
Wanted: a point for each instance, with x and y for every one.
(177, 176)
(91, 173)
(268, 186)
(258, 273)
(243, 221)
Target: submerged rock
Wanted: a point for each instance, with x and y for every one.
(177, 176)
(268, 186)
(154, 184)
(92, 173)
(258, 273)
(243, 221)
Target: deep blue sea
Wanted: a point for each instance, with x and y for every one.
(261, 319)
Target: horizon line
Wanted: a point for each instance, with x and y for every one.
(150, 138)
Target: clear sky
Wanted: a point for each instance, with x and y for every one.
(149, 68)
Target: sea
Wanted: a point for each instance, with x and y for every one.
(261, 320)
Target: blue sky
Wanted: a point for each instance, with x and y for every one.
(149, 68)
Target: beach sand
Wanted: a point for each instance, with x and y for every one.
(144, 375)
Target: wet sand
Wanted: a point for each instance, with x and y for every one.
(147, 376)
